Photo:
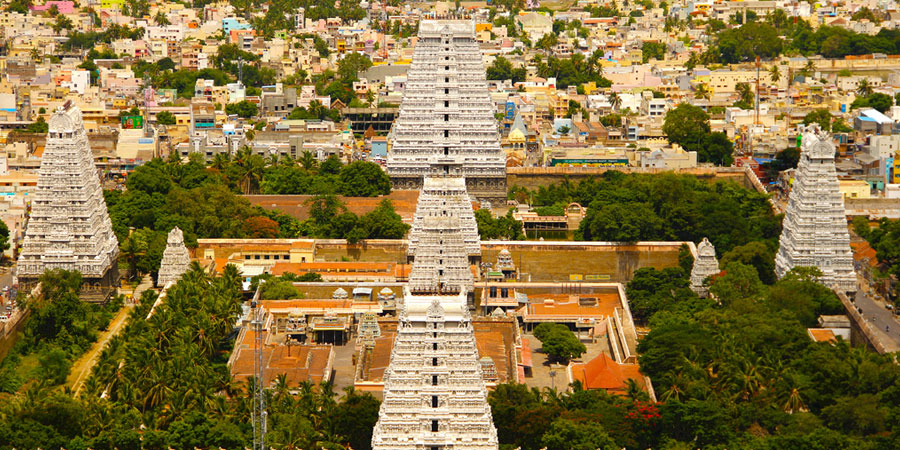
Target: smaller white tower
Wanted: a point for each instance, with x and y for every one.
(175, 260)
(705, 266)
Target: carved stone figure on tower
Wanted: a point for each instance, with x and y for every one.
(705, 266)
(69, 227)
(814, 232)
(175, 260)
(446, 124)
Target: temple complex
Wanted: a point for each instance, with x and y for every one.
(434, 387)
(446, 124)
(69, 227)
(175, 260)
(705, 265)
(814, 232)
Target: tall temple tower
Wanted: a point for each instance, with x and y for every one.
(69, 227)
(705, 266)
(446, 124)
(175, 260)
(814, 232)
(434, 392)
(440, 194)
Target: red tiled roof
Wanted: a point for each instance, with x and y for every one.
(603, 372)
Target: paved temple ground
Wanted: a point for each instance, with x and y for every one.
(541, 371)
(344, 370)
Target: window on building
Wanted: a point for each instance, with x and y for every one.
(434, 426)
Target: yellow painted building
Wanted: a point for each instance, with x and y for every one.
(855, 189)
(110, 4)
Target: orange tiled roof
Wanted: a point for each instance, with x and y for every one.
(604, 373)
(822, 335)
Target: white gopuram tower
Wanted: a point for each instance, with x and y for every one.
(446, 124)
(705, 266)
(69, 227)
(814, 232)
(434, 391)
(440, 195)
(175, 260)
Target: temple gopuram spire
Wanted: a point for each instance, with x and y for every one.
(446, 124)
(69, 226)
(814, 232)
(175, 260)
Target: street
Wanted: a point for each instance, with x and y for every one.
(878, 316)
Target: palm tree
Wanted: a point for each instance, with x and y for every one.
(308, 160)
(863, 88)
(250, 168)
(745, 93)
(131, 251)
(774, 74)
(808, 69)
(615, 101)
(220, 161)
(701, 91)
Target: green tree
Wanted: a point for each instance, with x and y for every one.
(820, 116)
(244, 109)
(165, 118)
(745, 43)
(746, 97)
(502, 69)
(740, 282)
(653, 50)
(364, 179)
(503, 227)
(558, 342)
(717, 149)
(686, 125)
(54, 365)
(279, 290)
(565, 434)
(756, 254)
(619, 223)
(4, 237)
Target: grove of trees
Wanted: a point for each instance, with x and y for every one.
(164, 383)
(203, 201)
(636, 207)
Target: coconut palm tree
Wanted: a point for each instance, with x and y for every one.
(250, 170)
(220, 161)
(308, 160)
(701, 91)
(863, 88)
(615, 101)
(808, 69)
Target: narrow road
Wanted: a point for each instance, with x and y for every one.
(81, 369)
(882, 319)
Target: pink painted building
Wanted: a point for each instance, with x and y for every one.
(64, 7)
